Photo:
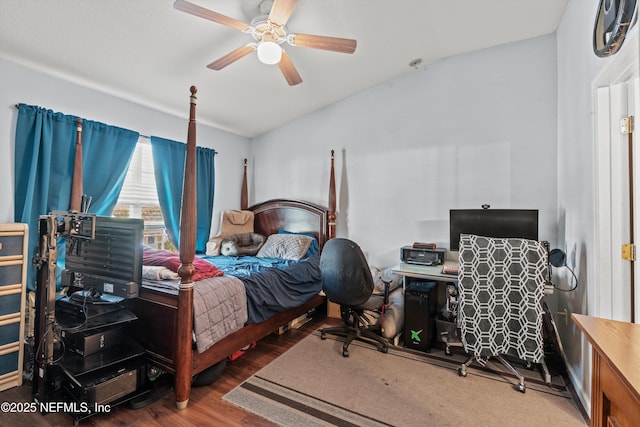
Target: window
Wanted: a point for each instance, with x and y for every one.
(139, 198)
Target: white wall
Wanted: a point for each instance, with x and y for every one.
(578, 67)
(22, 85)
(471, 129)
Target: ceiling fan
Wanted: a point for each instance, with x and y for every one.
(269, 33)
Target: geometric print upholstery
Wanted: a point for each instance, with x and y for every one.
(501, 286)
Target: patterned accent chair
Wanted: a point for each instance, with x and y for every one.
(501, 284)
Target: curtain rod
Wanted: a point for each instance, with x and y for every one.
(144, 136)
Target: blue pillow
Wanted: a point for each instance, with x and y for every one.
(313, 250)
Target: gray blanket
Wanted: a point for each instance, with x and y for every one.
(219, 308)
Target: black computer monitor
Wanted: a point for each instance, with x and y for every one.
(497, 223)
(109, 264)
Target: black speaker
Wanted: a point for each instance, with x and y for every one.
(557, 258)
(419, 315)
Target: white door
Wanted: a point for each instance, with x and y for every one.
(634, 105)
(618, 200)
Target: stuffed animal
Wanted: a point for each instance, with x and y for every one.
(242, 244)
(228, 247)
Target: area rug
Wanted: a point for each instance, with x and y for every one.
(313, 385)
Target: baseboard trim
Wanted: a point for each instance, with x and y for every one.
(581, 393)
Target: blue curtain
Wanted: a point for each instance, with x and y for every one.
(106, 154)
(206, 180)
(44, 154)
(168, 163)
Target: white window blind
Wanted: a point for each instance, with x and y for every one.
(139, 188)
(139, 198)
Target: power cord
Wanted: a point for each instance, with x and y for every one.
(557, 258)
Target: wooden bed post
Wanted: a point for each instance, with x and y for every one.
(244, 196)
(76, 184)
(332, 200)
(187, 253)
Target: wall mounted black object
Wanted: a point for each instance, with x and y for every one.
(558, 258)
(614, 19)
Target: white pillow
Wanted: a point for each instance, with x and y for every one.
(157, 272)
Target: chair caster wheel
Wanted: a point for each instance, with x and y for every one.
(521, 388)
(323, 335)
(384, 349)
(345, 353)
(461, 372)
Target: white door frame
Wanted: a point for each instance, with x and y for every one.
(615, 97)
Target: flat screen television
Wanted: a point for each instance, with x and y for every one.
(497, 223)
(109, 264)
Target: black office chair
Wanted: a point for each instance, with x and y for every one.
(347, 281)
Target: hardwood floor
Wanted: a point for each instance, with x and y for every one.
(206, 406)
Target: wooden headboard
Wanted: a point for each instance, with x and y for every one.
(294, 216)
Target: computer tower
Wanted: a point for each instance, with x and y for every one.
(419, 315)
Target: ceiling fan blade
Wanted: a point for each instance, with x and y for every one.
(231, 57)
(335, 44)
(289, 70)
(196, 10)
(281, 10)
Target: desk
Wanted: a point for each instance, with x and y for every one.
(417, 315)
(615, 371)
(428, 272)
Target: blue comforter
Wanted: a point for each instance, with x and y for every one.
(241, 266)
(273, 285)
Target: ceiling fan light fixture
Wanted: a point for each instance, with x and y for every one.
(269, 52)
(269, 32)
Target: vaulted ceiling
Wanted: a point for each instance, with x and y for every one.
(148, 52)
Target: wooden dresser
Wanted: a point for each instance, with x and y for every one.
(615, 382)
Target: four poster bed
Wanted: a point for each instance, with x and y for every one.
(165, 322)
